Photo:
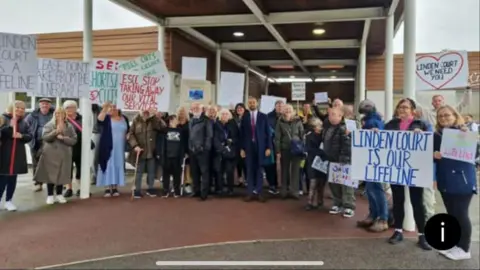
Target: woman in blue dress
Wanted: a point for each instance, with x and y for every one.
(111, 166)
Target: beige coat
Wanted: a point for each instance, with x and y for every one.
(55, 164)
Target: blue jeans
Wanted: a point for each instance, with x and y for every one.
(151, 171)
(377, 201)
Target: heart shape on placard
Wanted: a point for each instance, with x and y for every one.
(450, 77)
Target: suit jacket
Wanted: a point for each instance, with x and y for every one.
(262, 135)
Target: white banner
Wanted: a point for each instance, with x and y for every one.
(104, 80)
(136, 80)
(63, 78)
(393, 157)
(18, 63)
(340, 174)
(447, 70)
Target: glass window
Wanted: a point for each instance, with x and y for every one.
(25, 98)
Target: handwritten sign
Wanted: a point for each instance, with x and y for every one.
(442, 71)
(146, 66)
(18, 63)
(320, 165)
(459, 145)
(104, 82)
(63, 78)
(298, 91)
(340, 174)
(138, 92)
(321, 97)
(351, 124)
(393, 157)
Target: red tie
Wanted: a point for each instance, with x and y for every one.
(253, 126)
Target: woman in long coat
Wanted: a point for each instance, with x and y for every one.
(55, 164)
(13, 156)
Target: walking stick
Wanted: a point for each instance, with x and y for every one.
(182, 183)
(135, 176)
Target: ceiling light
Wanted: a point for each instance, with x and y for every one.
(292, 77)
(332, 66)
(333, 77)
(281, 67)
(238, 34)
(318, 31)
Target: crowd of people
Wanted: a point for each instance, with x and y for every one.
(210, 145)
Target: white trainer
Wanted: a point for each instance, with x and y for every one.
(10, 206)
(50, 200)
(60, 199)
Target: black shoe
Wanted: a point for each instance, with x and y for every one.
(422, 243)
(151, 193)
(107, 193)
(261, 198)
(310, 207)
(203, 197)
(396, 238)
(249, 198)
(230, 193)
(68, 193)
(137, 195)
(195, 194)
(273, 191)
(115, 192)
(78, 193)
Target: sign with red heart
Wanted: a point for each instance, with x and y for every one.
(447, 70)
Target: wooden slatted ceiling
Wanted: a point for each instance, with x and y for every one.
(376, 71)
(114, 44)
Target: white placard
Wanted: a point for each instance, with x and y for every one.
(340, 174)
(298, 91)
(18, 63)
(393, 157)
(321, 97)
(447, 70)
(147, 66)
(63, 78)
(351, 124)
(267, 103)
(320, 165)
(231, 88)
(459, 145)
(194, 68)
(104, 80)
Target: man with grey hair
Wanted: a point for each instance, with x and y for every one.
(200, 146)
(35, 121)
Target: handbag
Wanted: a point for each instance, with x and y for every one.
(297, 147)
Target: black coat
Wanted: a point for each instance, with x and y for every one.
(225, 140)
(13, 155)
(312, 145)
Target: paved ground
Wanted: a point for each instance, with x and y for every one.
(41, 235)
(334, 253)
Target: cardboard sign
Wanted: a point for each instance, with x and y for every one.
(446, 70)
(298, 91)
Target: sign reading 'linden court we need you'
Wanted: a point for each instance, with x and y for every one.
(393, 157)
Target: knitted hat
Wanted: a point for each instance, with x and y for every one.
(366, 106)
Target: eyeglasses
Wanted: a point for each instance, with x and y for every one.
(404, 107)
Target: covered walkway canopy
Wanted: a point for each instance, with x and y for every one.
(281, 38)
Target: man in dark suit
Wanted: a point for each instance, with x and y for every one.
(256, 145)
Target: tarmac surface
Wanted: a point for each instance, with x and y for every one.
(184, 229)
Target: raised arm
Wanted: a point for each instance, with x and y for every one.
(49, 133)
(466, 100)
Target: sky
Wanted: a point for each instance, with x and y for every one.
(441, 24)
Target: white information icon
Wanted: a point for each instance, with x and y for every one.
(442, 232)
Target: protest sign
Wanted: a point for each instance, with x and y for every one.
(63, 78)
(340, 174)
(145, 67)
(393, 157)
(445, 70)
(459, 145)
(138, 92)
(321, 97)
(320, 165)
(104, 81)
(351, 124)
(18, 63)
